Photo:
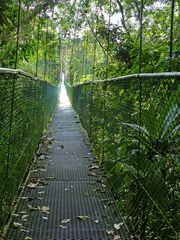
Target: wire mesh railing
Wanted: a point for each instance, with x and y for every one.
(133, 124)
(26, 105)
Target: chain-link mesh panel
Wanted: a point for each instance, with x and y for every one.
(26, 106)
(133, 124)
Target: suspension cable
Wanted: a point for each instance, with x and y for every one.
(140, 81)
(37, 53)
(17, 33)
(72, 49)
(93, 78)
(104, 90)
(171, 35)
(141, 35)
(45, 54)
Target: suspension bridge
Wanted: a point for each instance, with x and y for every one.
(82, 158)
(67, 192)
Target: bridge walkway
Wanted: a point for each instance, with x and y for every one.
(65, 196)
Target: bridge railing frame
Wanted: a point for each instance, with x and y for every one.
(26, 106)
(132, 122)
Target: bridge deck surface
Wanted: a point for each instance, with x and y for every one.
(64, 183)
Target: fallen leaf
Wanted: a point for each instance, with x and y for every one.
(117, 237)
(42, 192)
(92, 183)
(24, 217)
(109, 232)
(110, 202)
(96, 189)
(45, 209)
(27, 238)
(42, 170)
(50, 178)
(118, 225)
(33, 185)
(35, 170)
(92, 174)
(50, 139)
(63, 227)
(17, 225)
(65, 220)
(24, 230)
(28, 199)
(93, 167)
(42, 157)
(83, 218)
(22, 212)
(31, 208)
(103, 190)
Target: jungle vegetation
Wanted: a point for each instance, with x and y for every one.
(136, 137)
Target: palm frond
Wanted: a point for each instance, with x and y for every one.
(171, 116)
(138, 128)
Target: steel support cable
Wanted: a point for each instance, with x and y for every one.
(92, 85)
(17, 33)
(171, 35)
(86, 55)
(13, 93)
(37, 50)
(104, 90)
(46, 46)
(60, 54)
(140, 80)
(51, 47)
(72, 50)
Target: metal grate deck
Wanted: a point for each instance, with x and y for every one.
(68, 188)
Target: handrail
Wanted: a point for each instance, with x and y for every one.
(16, 71)
(132, 76)
(22, 73)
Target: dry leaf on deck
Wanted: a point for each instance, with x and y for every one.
(109, 232)
(45, 209)
(63, 227)
(31, 208)
(27, 238)
(50, 178)
(33, 185)
(65, 220)
(83, 218)
(96, 221)
(117, 237)
(118, 225)
(17, 225)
